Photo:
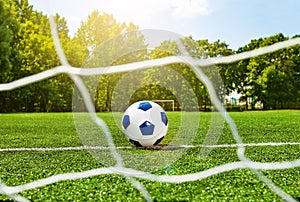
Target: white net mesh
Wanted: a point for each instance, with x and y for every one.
(116, 161)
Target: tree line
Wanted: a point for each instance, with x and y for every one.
(27, 47)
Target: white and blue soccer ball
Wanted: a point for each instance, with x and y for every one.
(145, 123)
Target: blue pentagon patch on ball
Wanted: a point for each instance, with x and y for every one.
(136, 143)
(126, 121)
(145, 106)
(158, 141)
(164, 118)
(147, 128)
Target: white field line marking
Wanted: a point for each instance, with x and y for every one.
(162, 147)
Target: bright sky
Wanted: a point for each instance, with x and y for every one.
(234, 21)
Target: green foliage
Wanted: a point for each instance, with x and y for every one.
(26, 48)
(33, 52)
(6, 37)
(272, 79)
(127, 45)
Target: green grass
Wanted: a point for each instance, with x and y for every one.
(58, 130)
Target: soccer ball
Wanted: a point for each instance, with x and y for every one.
(145, 123)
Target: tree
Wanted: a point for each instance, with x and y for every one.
(33, 52)
(223, 76)
(269, 78)
(201, 49)
(7, 28)
(108, 42)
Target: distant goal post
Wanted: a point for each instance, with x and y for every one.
(164, 104)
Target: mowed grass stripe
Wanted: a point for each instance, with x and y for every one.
(57, 130)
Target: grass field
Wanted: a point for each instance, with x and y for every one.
(56, 130)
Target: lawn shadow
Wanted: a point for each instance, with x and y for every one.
(161, 147)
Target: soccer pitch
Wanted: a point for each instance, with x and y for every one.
(39, 145)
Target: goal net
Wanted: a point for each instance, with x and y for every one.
(168, 105)
(96, 134)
